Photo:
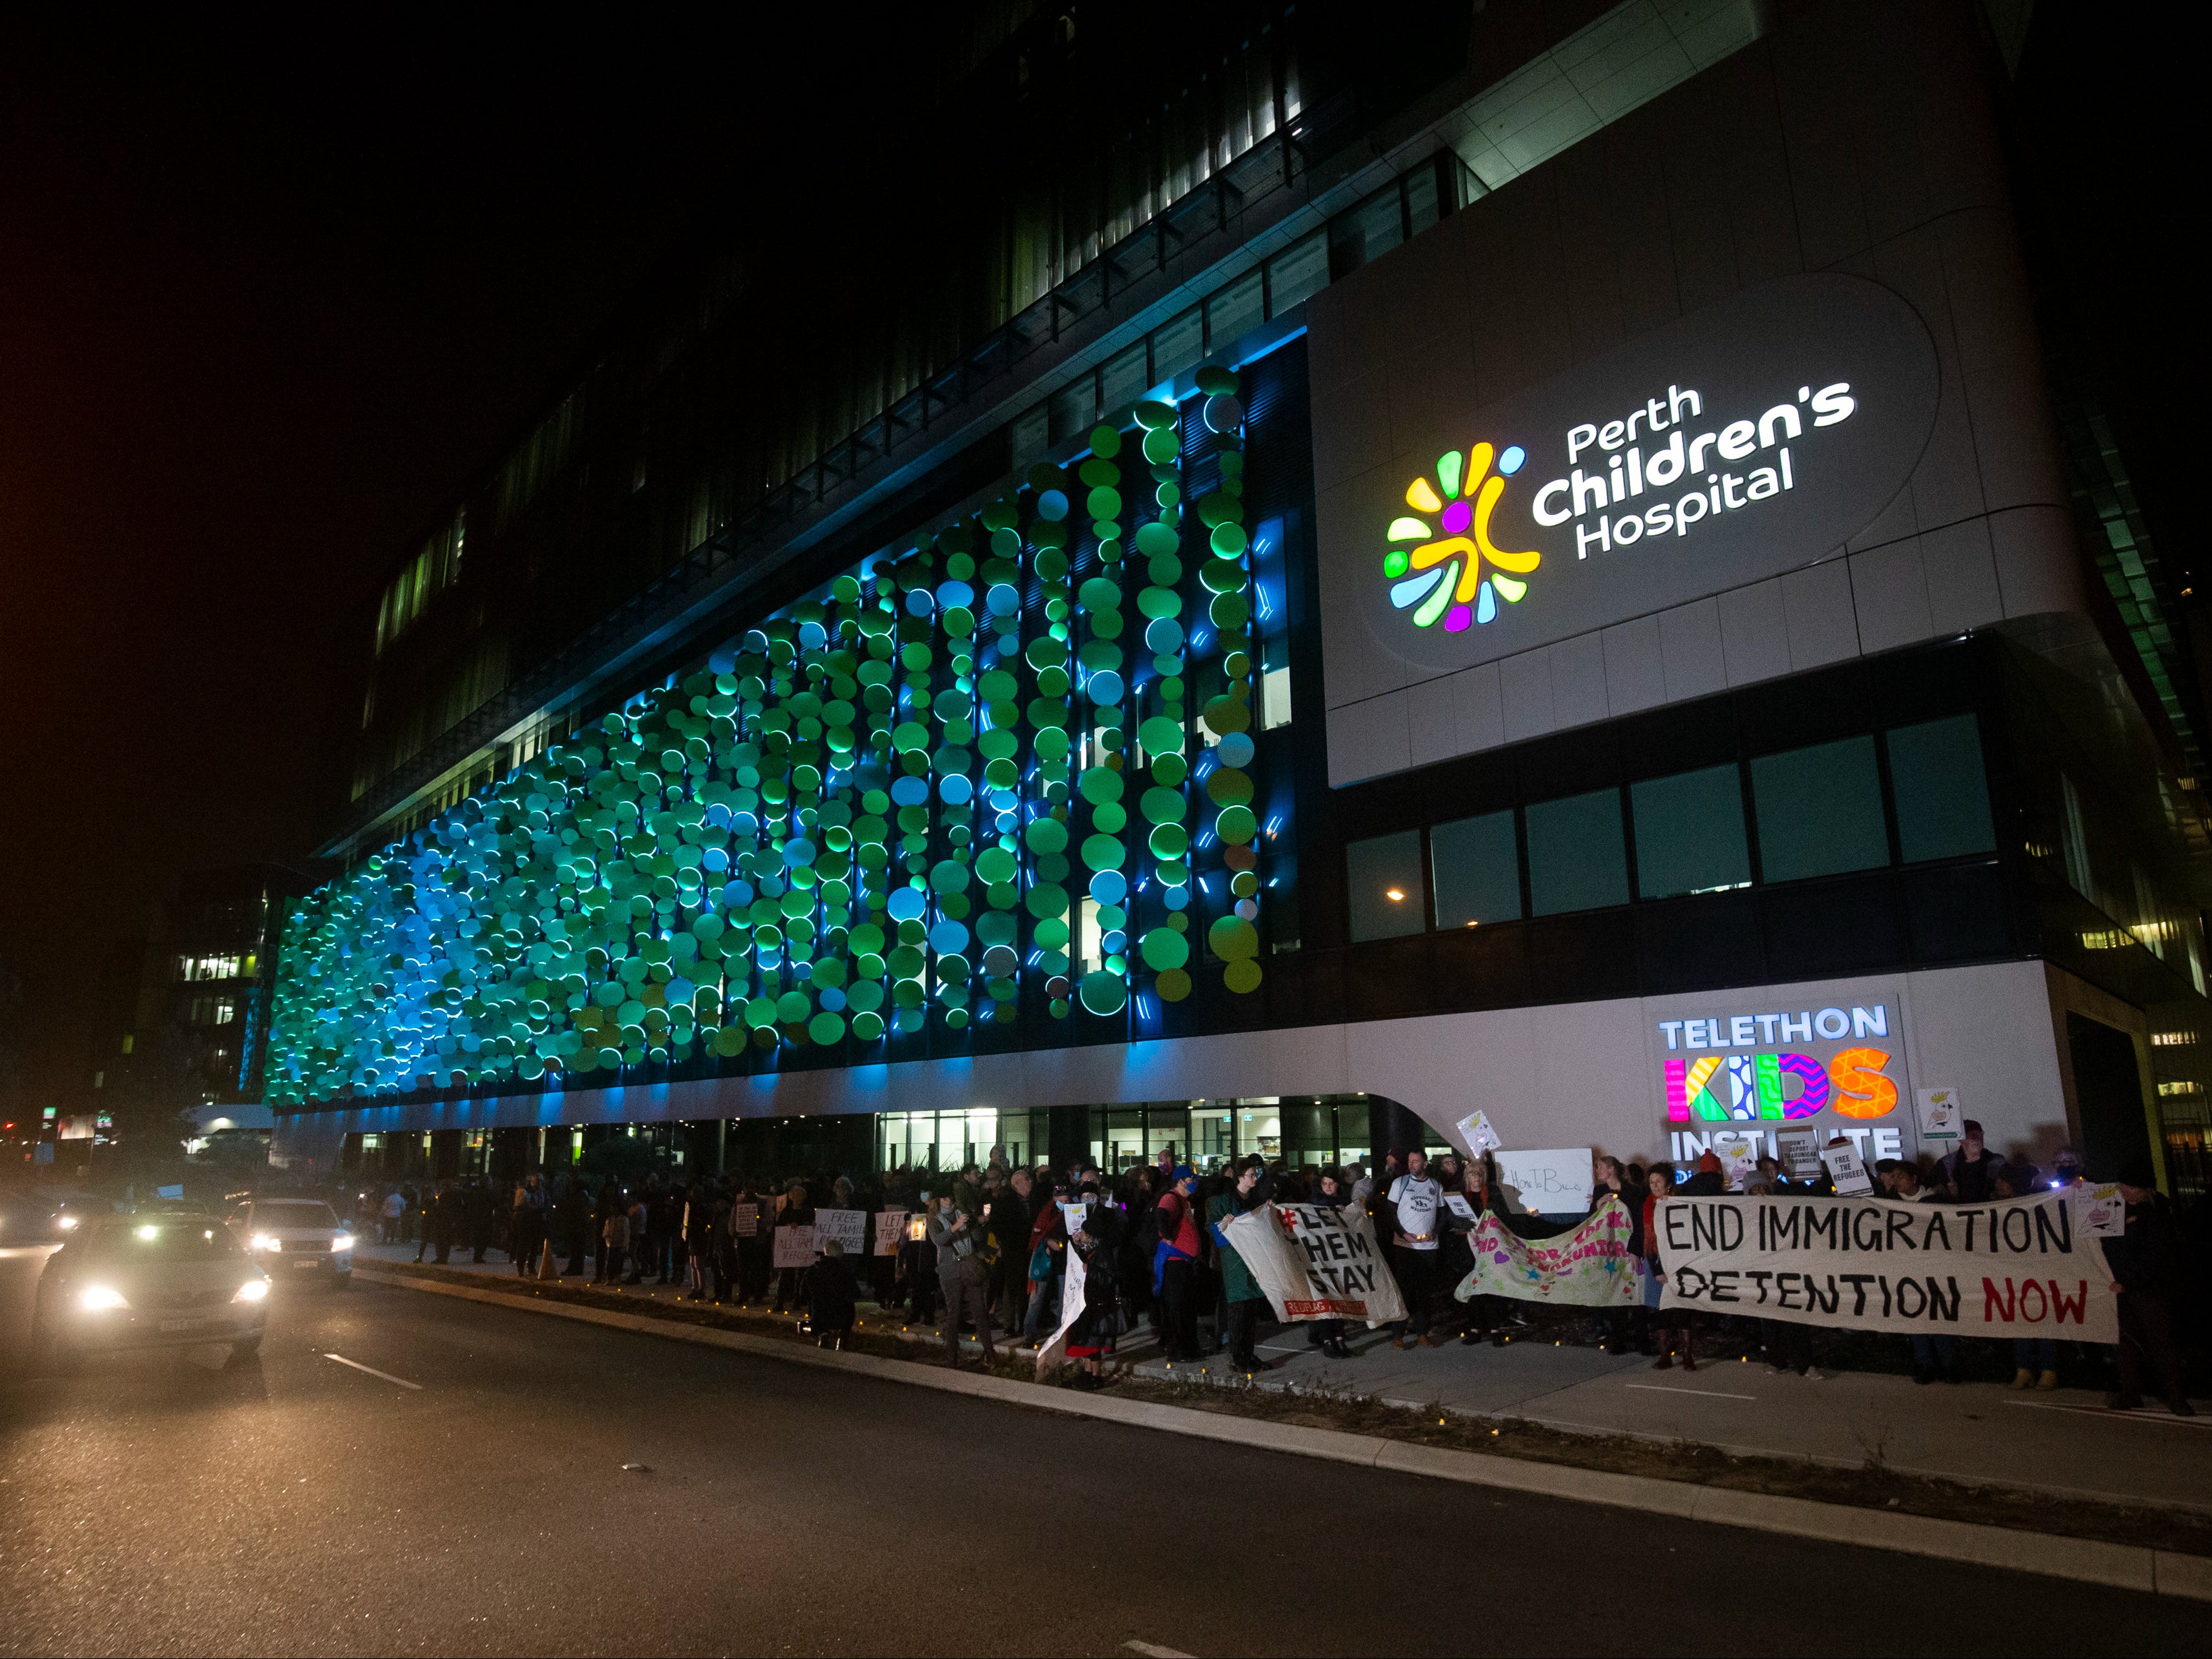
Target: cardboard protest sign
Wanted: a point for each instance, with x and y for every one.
(891, 1229)
(1476, 1134)
(1071, 1309)
(848, 1227)
(745, 1220)
(1589, 1267)
(1847, 1170)
(1800, 1151)
(1556, 1182)
(1739, 1156)
(1316, 1263)
(2018, 1267)
(794, 1247)
(1942, 1116)
(2099, 1211)
(1457, 1204)
(1072, 1216)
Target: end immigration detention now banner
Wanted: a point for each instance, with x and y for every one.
(2022, 1267)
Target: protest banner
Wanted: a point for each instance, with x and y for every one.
(1554, 1182)
(1847, 1170)
(1800, 1151)
(745, 1220)
(1316, 1263)
(1476, 1134)
(1589, 1267)
(2015, 1267)
(794, 1247)
(890, 1230)
(2099, 1211)
(848, 1227)
(1071, 1309)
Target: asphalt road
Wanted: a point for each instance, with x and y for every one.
(162, 1504)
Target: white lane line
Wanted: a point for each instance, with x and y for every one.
(1153, 1650)
(372, 1371)
(2137, 1416)
(1662, 1388)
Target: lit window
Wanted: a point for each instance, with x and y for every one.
(1384, 883)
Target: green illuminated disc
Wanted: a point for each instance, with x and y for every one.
(1165, 569)
(1222, 575)
(760, 1013)
(867, 1026)
(1099, 594)
(1045, 835)
(1165, 948)
(1241, 977)
(995, 864)
(1109, 817)
(794, 1006)
(1216, 381)
(1236, 825)
(1106, 625)
(1099, 784)
(1103, 992)
(1156, 538)
(728, 1041)
(1051, 933)
(1105, 442)
(1161, 806)
(1105, 852)
(1046, 898)
(1160, 735)
(1170, 770)
(1052, 743)
(1169, 841)
(1228, 788)
(1229, 611)
(1153, 415)
(1162, 445)
(1233, 938)
(1228, 540)
(1226, 715)
(1104, 503)
(1173, 986)
(1159, 602)
(826, 1028)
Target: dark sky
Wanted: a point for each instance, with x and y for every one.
(260, 316)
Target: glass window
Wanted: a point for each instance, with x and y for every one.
(1299, 273)
(1385, 880)
(1819, 810)
(1689, 833)
(1477, 863)
(1577, 857)
(1943, 793)
(1421, 206)
(1233, 312)
(1123, 382)
(1075, 408)
(1178, 342)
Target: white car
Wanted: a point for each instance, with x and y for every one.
(295, 1238)
(149, 1281)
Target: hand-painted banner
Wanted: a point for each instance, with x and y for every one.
(1589, 1267)
(1072, 1291)
(794, 1247)
(1316, 1263)
(2017, 1268)
(849, 1228)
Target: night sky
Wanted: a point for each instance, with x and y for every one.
(260, 317)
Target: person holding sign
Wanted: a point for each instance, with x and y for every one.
(1672, 1329)
(1243, 1294)
(2147, 1265)
(792, 1209)
(1415, 1200)
(964, 1277)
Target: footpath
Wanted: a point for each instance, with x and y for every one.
(2042, 1453)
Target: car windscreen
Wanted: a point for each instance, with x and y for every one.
(292, 1213)
(160, 1238)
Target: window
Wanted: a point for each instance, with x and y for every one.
(1689, 833)
(1274, 684)
(1178, 342)
(1299, 273)
(1943, 795)
(1477, 863)
(1577, 857)
(1233, 312)
(2074, 834)
(1385, 883)
(193, 968)
(1819, 810)
(1124, 381)
(1367, 231)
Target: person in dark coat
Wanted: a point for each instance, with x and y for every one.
(1096, 1244)
(830, 1296)
(2145, 1260)
(576, 1222)
(445, 1220)
(476, 1212)
(1245, 1299)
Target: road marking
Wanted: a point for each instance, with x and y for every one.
(1663, 1388)
(2109, 1415)
(372, 1371)
(1152, 1650)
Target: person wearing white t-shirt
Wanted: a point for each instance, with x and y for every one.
(1415, 1201)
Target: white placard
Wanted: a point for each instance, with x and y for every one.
(1476, 1134)
(794, 1247)
(849, 1228)
(745, 1220)
(1941, 1114)
(2099, 1211)
(891, 1229)
(1072, 1216)
(1800, 1151)
(1552, 1182)
(1847, 1169)
(1739, 1155)
(1457, 1204)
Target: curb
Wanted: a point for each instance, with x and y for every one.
(2121, 1566)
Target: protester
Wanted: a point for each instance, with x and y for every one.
(1091, 1337)
(1331, 1191)
(394, 1213)
(1173, 1256)
(2146, 1264)
(963, 1276)
(1486, 1313)
(1672, 1327)
(1048, 1244)
(614, 1239)
(1415, 1198)
(1244, 1295)
(830, 1306)
(1969, 1173)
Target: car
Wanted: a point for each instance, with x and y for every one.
(293, 1238)
(157, 1281)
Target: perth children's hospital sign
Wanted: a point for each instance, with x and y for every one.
(1754, 437)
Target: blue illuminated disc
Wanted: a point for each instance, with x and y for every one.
(738, 894)
(798, 851)
(955, 593)
(833, 999)
(910, 790)
(948, 938)
(1235, 750)
(715, 860)
(1176, 898)
(1003, 599)
(1109, 886)
(905, 903)
(1105, 687)
(918, 603)
(812, 636)
(955, 789)
(1510, 462)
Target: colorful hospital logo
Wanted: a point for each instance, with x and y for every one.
(1455, 570)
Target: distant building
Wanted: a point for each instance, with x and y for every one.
(1267, 586)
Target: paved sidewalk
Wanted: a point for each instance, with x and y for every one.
(2064, 1443)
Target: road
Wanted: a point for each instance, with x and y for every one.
(163, 1504)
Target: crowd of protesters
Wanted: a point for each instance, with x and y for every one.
(983, 1249)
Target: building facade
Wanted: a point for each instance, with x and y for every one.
(1560, 587)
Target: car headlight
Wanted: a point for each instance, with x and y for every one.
(254, 1289)
(261, 1242)
(97, 1298)
(343, 1242)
